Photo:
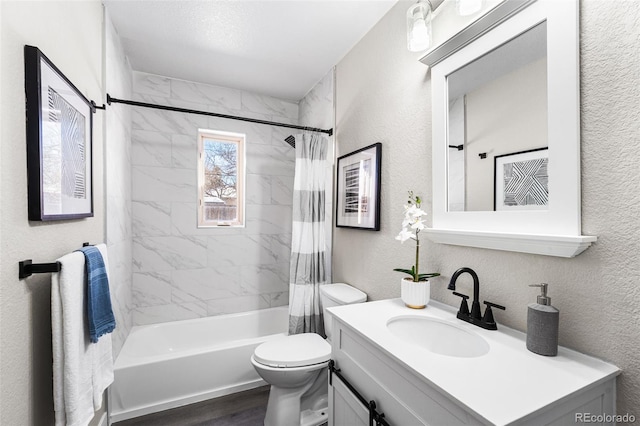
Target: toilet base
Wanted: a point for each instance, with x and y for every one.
(283, 409)
(314, 417)
(306, 406)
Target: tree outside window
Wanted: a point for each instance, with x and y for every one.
(220, 163)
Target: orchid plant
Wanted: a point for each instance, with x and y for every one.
(412, 224)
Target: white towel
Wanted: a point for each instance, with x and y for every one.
(81, 370)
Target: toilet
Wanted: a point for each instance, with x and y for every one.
(295, 366)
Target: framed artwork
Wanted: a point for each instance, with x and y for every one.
(522, 180)
(358, 189)
(59, 142)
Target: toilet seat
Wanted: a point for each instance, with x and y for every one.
(297, 350)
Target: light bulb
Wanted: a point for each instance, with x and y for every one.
(468, 7)
(420, 39)
(419, 26)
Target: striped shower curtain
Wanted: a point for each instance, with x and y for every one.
(308, 242)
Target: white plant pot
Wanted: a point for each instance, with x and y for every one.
(415, 295)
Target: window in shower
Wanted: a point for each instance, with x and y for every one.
(220, 178)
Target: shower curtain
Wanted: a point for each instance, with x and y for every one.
(308, 241)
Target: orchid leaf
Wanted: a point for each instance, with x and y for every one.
(426, 276)
(423, 279)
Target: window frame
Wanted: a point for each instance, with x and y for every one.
(240, 140)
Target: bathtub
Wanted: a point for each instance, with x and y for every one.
(163, 366)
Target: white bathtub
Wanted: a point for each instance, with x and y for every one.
(163, 366)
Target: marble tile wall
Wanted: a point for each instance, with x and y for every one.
(181, 271)
(118, 185)
(317, 110)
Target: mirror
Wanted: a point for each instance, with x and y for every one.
(497, 128)
(506, 131)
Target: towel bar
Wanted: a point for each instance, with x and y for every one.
(26, 268)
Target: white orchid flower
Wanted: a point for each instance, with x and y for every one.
(406, 222)
(404, 235)
(419, 213)
(418, 224)
(410, 211)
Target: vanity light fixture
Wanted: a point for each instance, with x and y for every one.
(419, 26)
(468, 7)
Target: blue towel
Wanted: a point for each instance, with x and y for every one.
(99, 313)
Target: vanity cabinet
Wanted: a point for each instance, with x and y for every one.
(400, 395)
(407, 397)
(344, 406)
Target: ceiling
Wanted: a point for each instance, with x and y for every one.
(280, 48)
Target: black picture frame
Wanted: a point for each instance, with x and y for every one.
(358, 189)
(529, 190)
(59, 129)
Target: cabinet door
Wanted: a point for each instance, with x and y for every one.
(344, 408)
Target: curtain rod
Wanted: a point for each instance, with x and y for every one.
(111, 100)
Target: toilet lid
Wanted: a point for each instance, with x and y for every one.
(296, 350)
(343, 294)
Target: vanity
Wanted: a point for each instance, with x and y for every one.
(425, 367)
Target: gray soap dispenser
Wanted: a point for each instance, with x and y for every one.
(542, 324)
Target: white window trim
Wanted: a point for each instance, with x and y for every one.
(240, 140)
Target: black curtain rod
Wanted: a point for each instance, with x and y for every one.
(111, 100)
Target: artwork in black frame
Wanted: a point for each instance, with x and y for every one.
(358, 189)
(59, 124)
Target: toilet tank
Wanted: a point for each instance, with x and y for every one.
(335, 295)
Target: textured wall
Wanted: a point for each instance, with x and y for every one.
(70, 34)
(383, 94)
(181, 271)
(118, 183)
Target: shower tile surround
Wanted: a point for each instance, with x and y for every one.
(181, 271)
(118, 186)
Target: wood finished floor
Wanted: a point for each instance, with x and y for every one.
(241, 409)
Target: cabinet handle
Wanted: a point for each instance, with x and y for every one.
(375, 418)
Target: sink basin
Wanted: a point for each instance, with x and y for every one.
(438, 336)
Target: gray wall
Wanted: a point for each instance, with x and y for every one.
(70, 34)
(383, 94)
(181, 271)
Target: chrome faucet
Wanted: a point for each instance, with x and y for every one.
(474, 317)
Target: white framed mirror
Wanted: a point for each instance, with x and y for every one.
(506, 131)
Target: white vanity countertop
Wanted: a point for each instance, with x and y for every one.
(502, 386)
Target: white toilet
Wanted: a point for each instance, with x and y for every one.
(295, 366)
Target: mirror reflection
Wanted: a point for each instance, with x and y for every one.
(497, 128)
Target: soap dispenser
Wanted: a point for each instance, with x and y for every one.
(542, 324)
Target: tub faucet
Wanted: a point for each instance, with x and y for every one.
(475, 316)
